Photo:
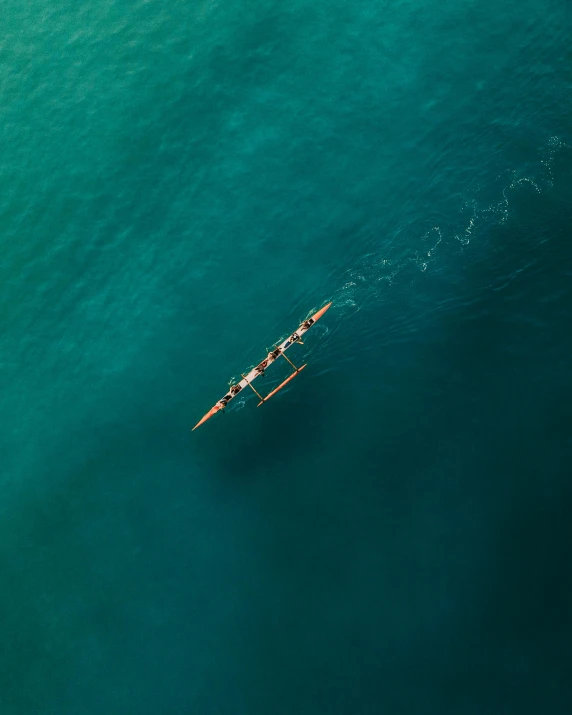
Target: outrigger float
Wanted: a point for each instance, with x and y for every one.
(278, 351)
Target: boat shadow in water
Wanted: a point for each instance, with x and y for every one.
(277, 434)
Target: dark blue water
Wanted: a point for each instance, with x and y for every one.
(181, 185)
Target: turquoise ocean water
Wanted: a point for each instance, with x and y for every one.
(182, 183)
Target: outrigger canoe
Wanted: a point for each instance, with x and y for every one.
(278, 351)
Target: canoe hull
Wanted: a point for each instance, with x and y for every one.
(261, 367)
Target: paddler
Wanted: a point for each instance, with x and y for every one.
(260, 368)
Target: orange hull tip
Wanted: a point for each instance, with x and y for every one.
(321, 312)
(208, 415)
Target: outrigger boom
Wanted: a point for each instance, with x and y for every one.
(261, 367)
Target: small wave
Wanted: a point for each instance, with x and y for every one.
(239, 404)
(368, 282)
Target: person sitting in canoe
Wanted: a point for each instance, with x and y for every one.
(294, 338)
(260, 368)
(235, 389)
(223, 402)
(307, 323)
